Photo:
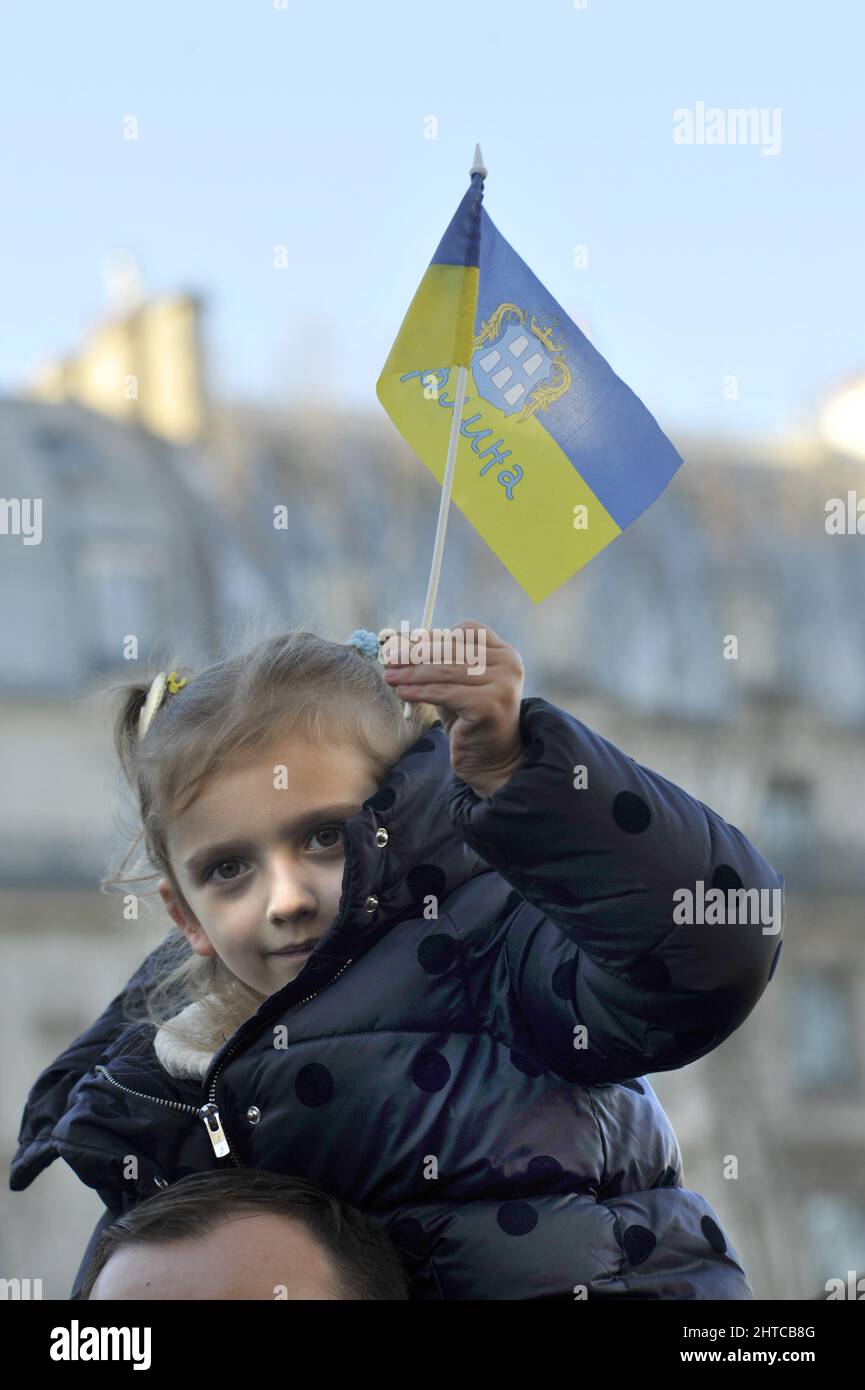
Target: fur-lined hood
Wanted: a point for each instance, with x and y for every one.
(186, 1043)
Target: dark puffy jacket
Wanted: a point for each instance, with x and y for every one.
(434, 1075)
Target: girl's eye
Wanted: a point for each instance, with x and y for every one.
(211, 873)
(220, 865)
(328, 830)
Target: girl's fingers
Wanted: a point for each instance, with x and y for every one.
(453, 670)
(493, 644)
(437, 675)
(491, 639)
(435, 694)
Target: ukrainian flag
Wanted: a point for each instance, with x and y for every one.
(556, 455)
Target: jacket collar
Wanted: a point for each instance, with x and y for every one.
(404, 846)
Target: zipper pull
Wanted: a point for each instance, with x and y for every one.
(216, 1134)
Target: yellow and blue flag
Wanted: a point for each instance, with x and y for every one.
(556, 455)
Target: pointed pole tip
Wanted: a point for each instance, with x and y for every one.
(478, 167)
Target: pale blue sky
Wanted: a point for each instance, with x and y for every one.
(305, 126)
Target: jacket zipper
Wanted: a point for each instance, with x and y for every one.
(209, 1112)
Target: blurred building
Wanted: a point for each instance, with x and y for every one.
(842, 420)
(142, 366)
(169, 538)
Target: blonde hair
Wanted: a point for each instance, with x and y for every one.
(294, 682)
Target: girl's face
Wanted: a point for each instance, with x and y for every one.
(259, 858)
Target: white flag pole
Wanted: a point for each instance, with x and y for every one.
(478, 167)
(444, 502)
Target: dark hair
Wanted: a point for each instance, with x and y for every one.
(366, 1265)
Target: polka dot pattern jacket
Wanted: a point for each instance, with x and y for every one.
(463, 1055)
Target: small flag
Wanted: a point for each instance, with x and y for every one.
(556, 455)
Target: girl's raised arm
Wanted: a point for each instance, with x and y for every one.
(615, 954)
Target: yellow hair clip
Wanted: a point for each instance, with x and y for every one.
(155, 695)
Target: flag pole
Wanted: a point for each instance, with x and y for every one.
(444, 502)
(478, 167)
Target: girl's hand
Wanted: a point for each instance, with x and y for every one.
(480, 713)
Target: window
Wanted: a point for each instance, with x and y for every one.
(751, 618)
(121, 595)
(821, 1033)
(787, 828)
(834, 1236)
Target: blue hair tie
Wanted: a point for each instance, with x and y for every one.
(367, 642)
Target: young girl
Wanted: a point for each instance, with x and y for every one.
(423, 963)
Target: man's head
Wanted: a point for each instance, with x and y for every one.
(242, 1234)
